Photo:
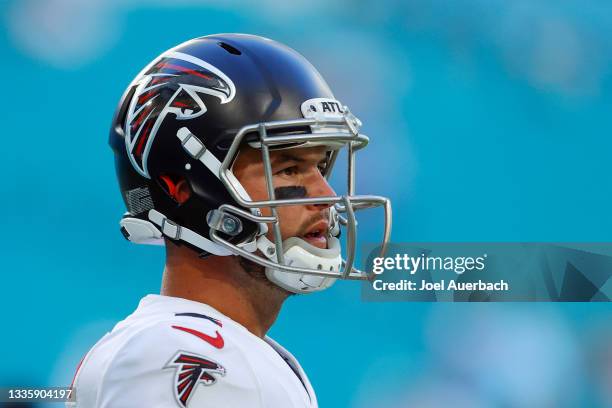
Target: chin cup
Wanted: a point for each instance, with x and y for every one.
(301, 254)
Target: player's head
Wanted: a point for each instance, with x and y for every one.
(225, 144)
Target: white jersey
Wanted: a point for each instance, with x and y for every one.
(173, 352)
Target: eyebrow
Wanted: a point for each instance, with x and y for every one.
(283, 157)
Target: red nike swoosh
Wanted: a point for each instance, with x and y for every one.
(213, 341)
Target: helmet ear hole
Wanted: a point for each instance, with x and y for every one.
(177, 188)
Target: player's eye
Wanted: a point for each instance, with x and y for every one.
(288, 171)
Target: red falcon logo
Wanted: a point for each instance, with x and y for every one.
(191, 370)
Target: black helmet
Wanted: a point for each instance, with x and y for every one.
(185, 116)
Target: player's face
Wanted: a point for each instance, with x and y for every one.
(297, 173)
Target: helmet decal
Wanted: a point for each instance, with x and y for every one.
(172, 84)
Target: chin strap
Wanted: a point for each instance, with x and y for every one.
(151, 232)
(178, 232)
(297, 252)
(300, 253)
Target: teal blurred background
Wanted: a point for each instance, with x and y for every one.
(489, 121)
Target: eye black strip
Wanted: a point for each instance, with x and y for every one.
(289, 192)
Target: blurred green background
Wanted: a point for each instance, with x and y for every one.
(489, 121)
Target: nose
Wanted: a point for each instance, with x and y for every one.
(319, 187)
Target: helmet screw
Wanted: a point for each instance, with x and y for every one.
(229, 225)
(271, 250)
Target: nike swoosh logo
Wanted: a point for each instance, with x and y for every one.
(213, 341)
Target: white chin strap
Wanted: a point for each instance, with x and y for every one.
(299, 253)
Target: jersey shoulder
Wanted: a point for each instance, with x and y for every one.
(186, 360)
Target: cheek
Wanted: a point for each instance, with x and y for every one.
(256, 190)
(290, 221)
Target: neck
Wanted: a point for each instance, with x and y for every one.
(222, 283)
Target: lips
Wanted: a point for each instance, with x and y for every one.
(316, 234)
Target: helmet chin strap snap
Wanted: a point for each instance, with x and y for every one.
(301, 254)
(140, 231)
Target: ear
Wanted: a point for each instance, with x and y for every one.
(179, 190)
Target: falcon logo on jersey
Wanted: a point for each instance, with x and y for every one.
(172, 84)
(191, 370)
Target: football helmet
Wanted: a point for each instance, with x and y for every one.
(186, 116)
